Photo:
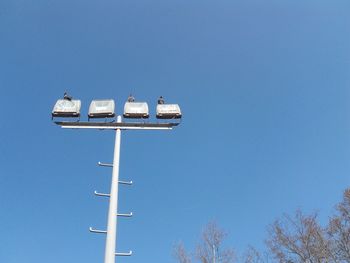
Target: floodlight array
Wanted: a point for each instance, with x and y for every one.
(105, 109)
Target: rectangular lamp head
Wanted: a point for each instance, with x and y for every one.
(136, 110)
(66, 108)
(168, 111)
(102, 109)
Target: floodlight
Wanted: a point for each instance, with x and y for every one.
(101, 109)
(168, 111)
(136, 110)
(66, 108)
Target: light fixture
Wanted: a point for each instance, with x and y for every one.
(168, 111)
(66, 108)
(136, 110)
(101, 109)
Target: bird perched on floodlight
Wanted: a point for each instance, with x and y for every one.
(67, 97)
(131, 98)
(161, 100)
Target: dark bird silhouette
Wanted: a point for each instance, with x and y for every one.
(67, 97)
(131, 98)
(161, 100)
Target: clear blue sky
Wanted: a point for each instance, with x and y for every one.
(264, 88)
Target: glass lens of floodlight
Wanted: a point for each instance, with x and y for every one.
(136, 110)
(102, 108)
(67, 107)
(168, 111)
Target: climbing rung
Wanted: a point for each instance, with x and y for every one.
(105, 164)
(101, 194)
(97, 231)
(124, 254)
(125, 215)
(125, 182)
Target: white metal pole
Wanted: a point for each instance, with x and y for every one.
(214, 255)
(113, 203)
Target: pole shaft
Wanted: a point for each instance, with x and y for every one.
(214, 254)
(113, 203)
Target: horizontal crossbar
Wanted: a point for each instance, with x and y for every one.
(117, 125)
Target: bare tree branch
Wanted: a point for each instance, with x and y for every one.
(299, 239)
(252, 255)
(211, 243)
(339, 230)
(180, 253)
